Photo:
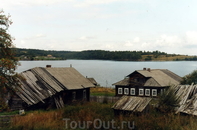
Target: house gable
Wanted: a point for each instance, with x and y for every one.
(147, 82)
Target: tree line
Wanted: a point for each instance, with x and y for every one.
(32, 54)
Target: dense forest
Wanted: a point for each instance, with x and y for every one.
(35, 54)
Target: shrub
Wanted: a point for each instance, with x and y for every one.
(168, 100)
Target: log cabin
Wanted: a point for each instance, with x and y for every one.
(146, 82)
(50, 87)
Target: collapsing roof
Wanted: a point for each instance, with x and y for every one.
(187, 95)
(131, 103)
(40, 83)
(155, 77)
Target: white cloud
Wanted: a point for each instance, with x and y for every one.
(87, 38)
(76, 3)
(36, 36)
(86, 3)
(31, 2)
(167, 40)
(40, 35)
(128, 44)
(136, 40)
(191, 37)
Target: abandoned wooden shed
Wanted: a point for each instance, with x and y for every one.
(146, 82)
(49, 87)
(131, 104)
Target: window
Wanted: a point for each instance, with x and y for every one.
(119, 90)
(154, 92)
(126, 91)
(74, 95)
(84, 94)
(141, 92)
(147, 92)
(132, 91)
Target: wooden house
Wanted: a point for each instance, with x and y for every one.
(50, 87)
(146, 82)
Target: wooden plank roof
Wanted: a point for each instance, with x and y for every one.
(132, 103)
(92, 80)
(163, 77)
(188, 99)
(70, 78)
(155, 78)
(124, 82)
(40, 83)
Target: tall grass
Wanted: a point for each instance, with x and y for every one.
(53, 120)
(38, 120)
(102, 91)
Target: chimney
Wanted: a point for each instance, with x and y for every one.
(48, 66)
(148, 69)
(144, 68)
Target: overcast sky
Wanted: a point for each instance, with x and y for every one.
(75, 25)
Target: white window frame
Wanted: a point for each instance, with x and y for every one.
(119, 90)
(154, 92)
(126, 90)
(147, 90)
(132, 91)
(141, 94)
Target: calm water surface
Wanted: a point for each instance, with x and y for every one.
(108, 72)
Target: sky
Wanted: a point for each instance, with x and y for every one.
(115, 25)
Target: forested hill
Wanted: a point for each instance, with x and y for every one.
(34, 54)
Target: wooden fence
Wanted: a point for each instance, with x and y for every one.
(104, 99)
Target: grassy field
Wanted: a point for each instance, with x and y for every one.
(102, 91)
(166, 58)
(93, 115)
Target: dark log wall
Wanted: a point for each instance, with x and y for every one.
(16, 103)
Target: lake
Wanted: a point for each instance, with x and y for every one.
(108, 72)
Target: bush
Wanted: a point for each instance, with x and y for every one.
(190, 78)
(168, 101)
(3, 105)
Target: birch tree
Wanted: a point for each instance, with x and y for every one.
(8, 61)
